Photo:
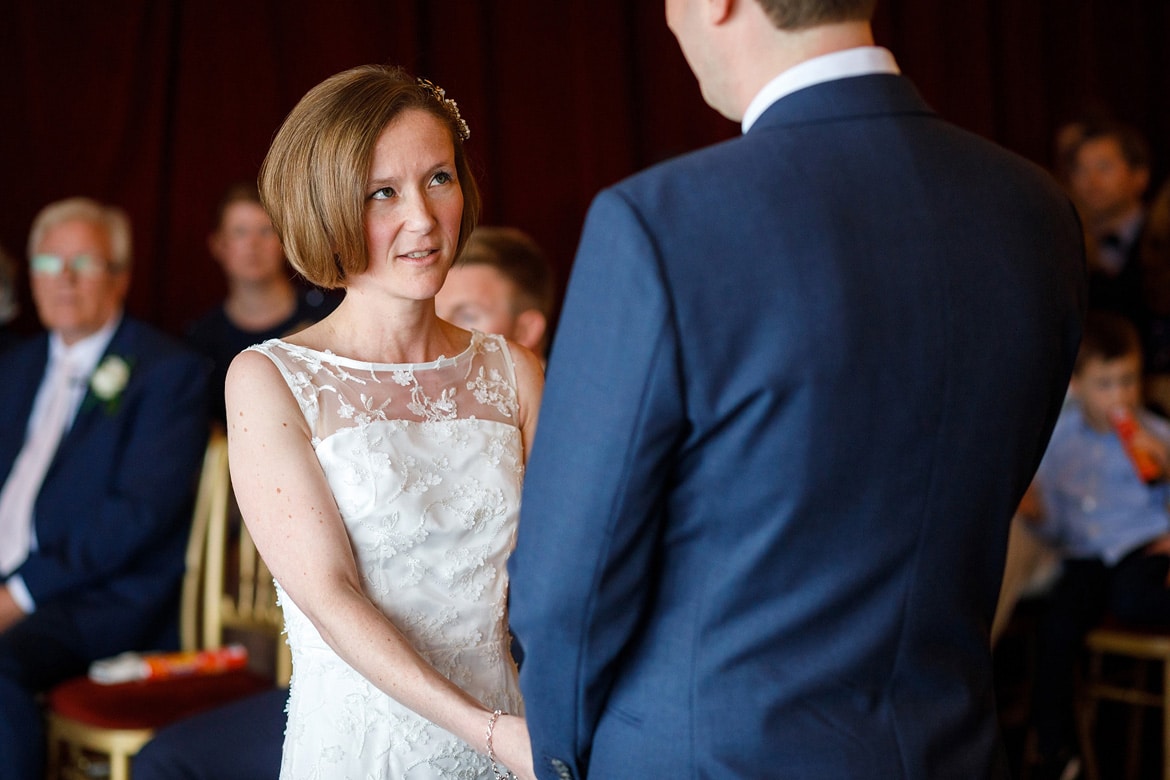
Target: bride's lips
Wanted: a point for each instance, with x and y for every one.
(419, 256)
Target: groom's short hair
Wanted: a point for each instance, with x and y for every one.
(800, 14)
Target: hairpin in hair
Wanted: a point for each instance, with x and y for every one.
(447, 103)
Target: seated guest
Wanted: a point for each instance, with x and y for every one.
(262, 301)
(103, 424)
(238, 741)
(9, 307)
(501, 284)
(1109, 176)
(1103, 505)
(1154, 252)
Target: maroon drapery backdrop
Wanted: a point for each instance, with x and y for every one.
(157, 105)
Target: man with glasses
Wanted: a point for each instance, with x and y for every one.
(102, 427)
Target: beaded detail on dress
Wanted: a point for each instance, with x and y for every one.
(425, 462)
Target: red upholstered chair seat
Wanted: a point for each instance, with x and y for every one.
(151, 704)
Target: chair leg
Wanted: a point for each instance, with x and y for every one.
(119, 765)
(53, 757)
(1166, 719)
(1087, 715)
(1137, 714)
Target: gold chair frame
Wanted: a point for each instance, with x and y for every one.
(222, 589)
(1140, 649)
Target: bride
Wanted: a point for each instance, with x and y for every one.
(377, 456)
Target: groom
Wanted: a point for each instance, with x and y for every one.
(801, 380)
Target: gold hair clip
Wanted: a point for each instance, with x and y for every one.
(440, 95)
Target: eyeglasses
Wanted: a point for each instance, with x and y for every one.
(82, 265)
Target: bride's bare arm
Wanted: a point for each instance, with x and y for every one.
(293, 518)
(529, 387)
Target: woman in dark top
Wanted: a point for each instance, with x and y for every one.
(263, 302)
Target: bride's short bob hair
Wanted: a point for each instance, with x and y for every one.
(313, 180)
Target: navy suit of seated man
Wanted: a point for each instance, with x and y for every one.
(102, 428)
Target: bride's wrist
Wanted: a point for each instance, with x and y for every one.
(498, 771)
(509, 748)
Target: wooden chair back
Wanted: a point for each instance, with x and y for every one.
(227, 589)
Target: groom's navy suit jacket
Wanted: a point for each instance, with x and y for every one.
(113, 514)
(801, 380)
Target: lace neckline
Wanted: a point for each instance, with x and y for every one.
(328, 356)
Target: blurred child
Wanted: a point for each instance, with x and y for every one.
(1103, 505)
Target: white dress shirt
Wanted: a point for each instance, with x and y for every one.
(860, 61)
(1112, 256)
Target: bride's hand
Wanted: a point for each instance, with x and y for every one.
(512, 747)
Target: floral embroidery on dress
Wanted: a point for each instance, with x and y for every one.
(390, 535)
(433, 409)
(495, 391)
(469, 572)
(424, 461)
(476, 505)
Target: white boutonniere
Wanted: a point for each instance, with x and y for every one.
(109, 380)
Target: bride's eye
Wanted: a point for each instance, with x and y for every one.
(443, 177)
(383, 194)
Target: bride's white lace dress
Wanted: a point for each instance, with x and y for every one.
(425, 462)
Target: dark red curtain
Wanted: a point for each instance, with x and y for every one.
(158, 105)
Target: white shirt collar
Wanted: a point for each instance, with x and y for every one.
(860, 61)
(84, 354)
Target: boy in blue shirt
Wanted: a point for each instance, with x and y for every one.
(1110, 524)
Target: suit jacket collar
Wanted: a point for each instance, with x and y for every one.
(92, 409)
(845, 63)
(848, 98)
(24, 367)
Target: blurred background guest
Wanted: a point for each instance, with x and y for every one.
(102, 427)
(501, 284)
(1106, 518)
(1109, 176)
(1154, 255)
(262, 301)
(9, 307)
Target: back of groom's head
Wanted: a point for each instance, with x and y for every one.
(800, 14)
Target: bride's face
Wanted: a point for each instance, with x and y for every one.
(413, 207)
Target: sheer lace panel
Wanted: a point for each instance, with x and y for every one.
(425, 463)
(336, 392)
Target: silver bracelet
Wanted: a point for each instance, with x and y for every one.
(491, 753)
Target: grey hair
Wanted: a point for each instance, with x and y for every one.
(111, 218)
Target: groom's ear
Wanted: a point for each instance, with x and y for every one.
(718, 11)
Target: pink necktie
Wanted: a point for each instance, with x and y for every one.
(28, 472)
